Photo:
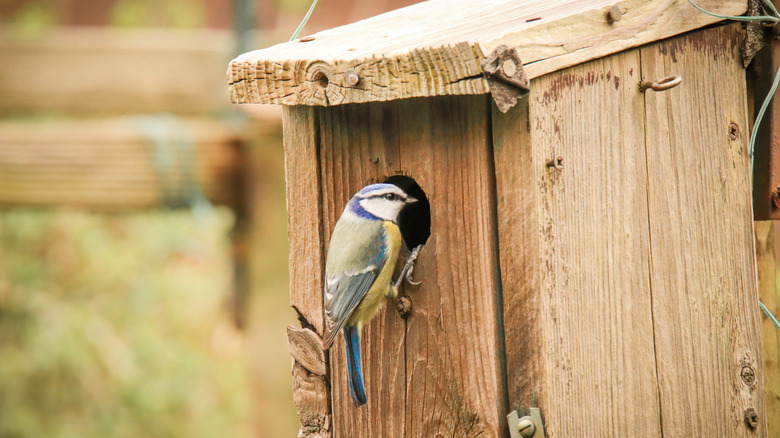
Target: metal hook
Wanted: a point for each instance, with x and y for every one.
(662, 84)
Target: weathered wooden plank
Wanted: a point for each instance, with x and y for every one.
(421, 378)
(304, 214)
(580, 327)
(454, 370)
(113, 164)
(101, 70)
(311, 391)
(435, 47)
(358, 146)
(770, 341)
(703, 271)
(518, 171)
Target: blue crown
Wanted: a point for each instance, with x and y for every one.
(373, 187)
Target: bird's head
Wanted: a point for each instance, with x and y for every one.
(383, 201)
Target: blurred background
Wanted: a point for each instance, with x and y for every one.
(143, 245)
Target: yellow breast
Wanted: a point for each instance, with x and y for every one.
(375, 297)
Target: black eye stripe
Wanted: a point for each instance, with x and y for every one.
(388, 196)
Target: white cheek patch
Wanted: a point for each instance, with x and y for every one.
(382, 208)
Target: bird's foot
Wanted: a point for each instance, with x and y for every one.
(406, 272)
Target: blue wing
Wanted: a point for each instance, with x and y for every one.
(356, 256)
(343, 294)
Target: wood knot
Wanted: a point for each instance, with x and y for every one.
(748, 375)
(751, 418)
(404, 306)
(306, 348)
(319, 74)
(733, 131)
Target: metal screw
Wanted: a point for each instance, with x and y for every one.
(526, 427)
(556, 162)
(733, 131)
(748, 375)
(352, 77)
(776, 197)
(751, 418)
(614, 14)
(509, 68)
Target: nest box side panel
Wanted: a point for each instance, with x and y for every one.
(770, 336)
(311, 391)
(705, 301)
(575, 269)
(437, 373)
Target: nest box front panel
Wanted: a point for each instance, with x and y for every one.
(443, 360)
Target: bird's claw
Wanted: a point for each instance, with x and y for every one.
(408, 276)
(406, 272)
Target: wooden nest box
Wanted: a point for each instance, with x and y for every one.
(592, 249)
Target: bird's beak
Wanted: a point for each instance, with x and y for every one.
(411, 199)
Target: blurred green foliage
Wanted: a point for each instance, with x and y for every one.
(32, 18)
(187, 14)
(115, 326)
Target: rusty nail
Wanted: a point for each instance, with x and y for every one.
(351, 77)
(748, 375)
(776, 197)
(614, 14)
(533, 19)
(751, 418)
(662, 84)
(306, 39)
(556, 162)
(733, 131)
(403, 305)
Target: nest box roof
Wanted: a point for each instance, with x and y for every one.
(438, 47)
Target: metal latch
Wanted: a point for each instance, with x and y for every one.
(504, 72)
(529, 426)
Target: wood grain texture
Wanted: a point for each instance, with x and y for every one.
(112, 71)
(422, 379)
(311, 392)
(435, 48)
(517, 173)
(109, 164)
(306, 348)
(304, 214)
(358, 146)
(576, 269)
(703, 273)
(454, 371)
(770, 341)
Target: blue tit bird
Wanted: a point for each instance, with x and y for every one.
(361, 259)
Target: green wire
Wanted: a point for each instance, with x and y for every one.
(769, 314)
(764, 105)
(772, 7)
(303, 22)
(739, 17)
(761, 116)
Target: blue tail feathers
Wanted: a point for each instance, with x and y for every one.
(354, 366)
